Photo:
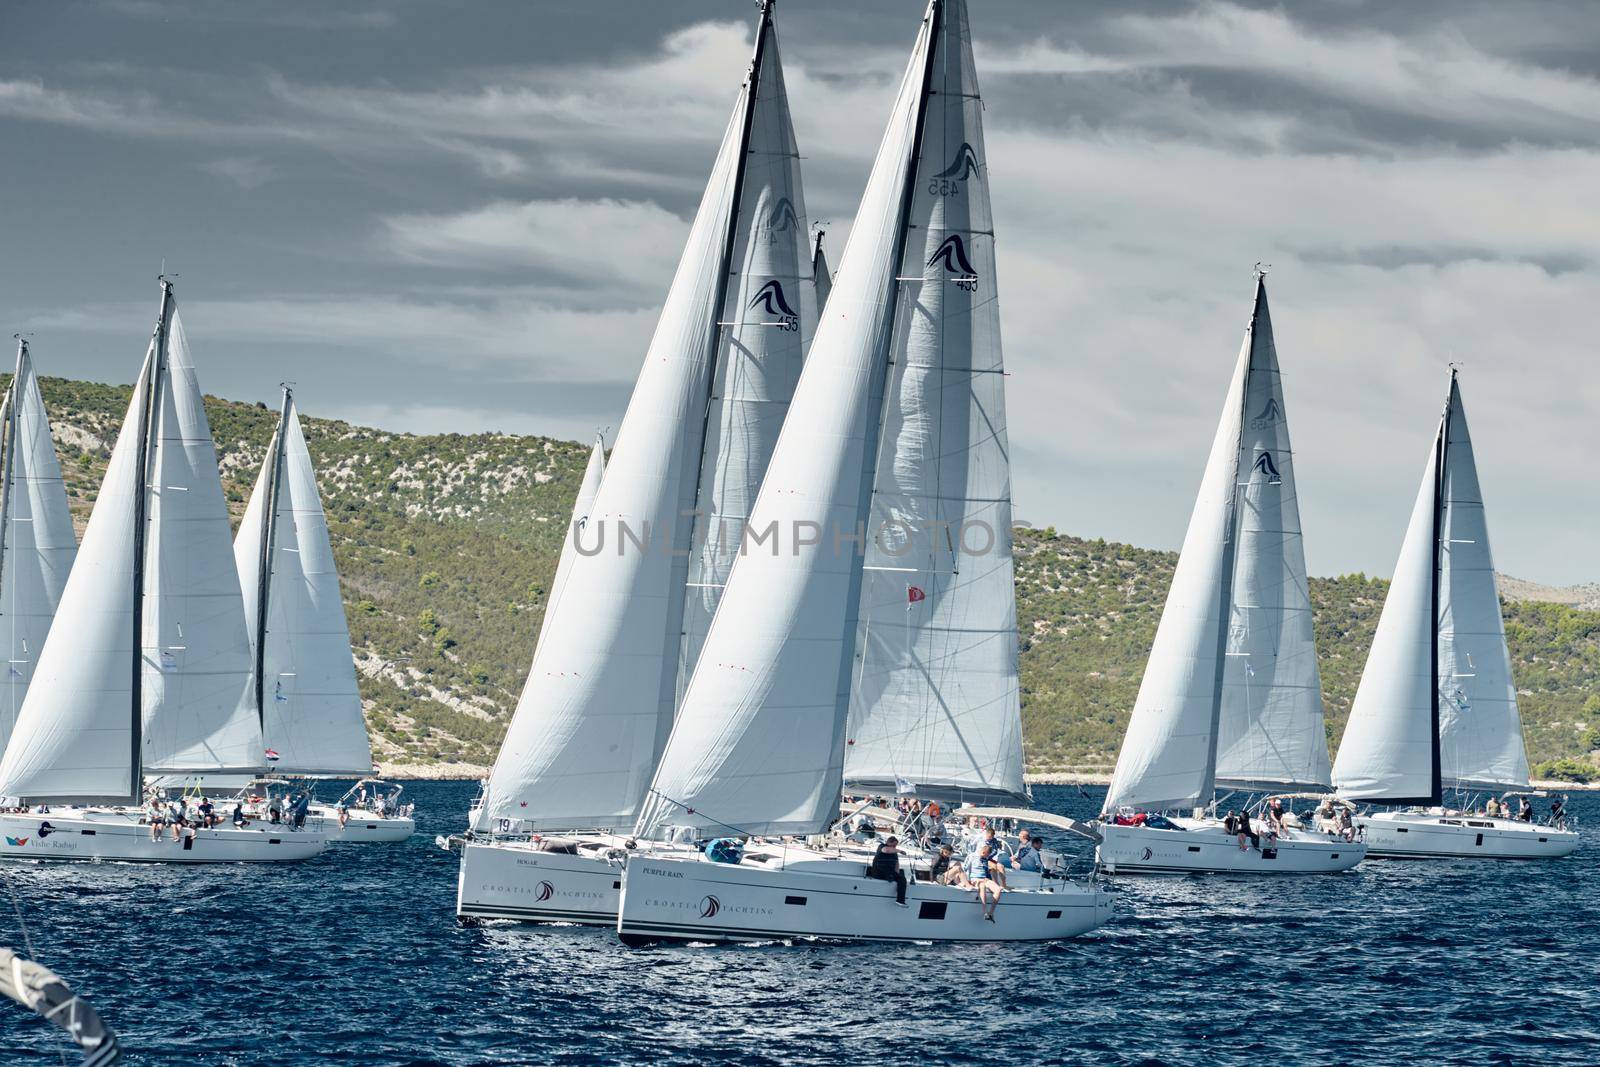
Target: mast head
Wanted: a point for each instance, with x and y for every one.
(22, 344)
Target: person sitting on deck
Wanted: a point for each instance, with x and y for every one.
(1345, 827)
(885, 867)
(1492, 808)
(1275, 814)
(1244, 831)
(939, 870)
(980, 865)
(274, 810)
(177, 817)
(208, 813)
(156, 816)
(239, 821)
(1028, 857)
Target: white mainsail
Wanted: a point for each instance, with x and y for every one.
(1480, 727)
(1436, 706)
(936, 700)
(200, 717)
(759, 739)
(598, 702)
(304, 678)
(37, 544)
(1270, 732)
(588, 489)
(76, 736)
(768, 315)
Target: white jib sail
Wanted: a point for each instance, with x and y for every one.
(936, 700)
(310, 704)
(768, 314)
(1389, 750)
(588, 489)
(74, 736)
(1480, 728)
(758, 743)
(597, 705)
(1270, 732)
(1168, 756)
(199, 709)
(37, 544)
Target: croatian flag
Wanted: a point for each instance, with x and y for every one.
(914, 594)
(272, 755)
(904, 785)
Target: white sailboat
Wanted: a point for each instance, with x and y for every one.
(37, 544)
(898, 418)
(626, 621)
(1231, 698)
(303, 677)
(1436, 709)
(148, 665)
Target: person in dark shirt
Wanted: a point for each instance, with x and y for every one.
(238, 816)
(886, 867)
(301, 806)
(940, 870)
(1245, 831)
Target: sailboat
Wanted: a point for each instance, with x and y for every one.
(147, 668)
(303, 677)
(1436, 709)
(898, 419)
(37, 544)
(640, 580)
(1231, 697)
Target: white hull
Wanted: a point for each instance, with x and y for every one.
(361, 826)
(112, 835)
(1422, 835)
(678, 898)
(515, 880)
(1205, 847)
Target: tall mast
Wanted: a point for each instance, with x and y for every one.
(269, 525)
(147, 418)
(1230, 542)
(1441, 457)
(8, 446)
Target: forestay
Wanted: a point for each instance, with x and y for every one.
(936, 701)
(199, 715)
(758, 743)
(1480, 728)
(309, 703)
(769, 313)
(37, 543)
(1270, 732)
(598, 702)
(1389, 751)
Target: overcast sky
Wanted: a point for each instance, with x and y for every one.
(442, 216)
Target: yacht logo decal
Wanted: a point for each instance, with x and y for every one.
(954, 255)
(709, 906)
(546, 891)
(771, 298)
(1270, 412)
(1265, 465)
(966, 162)
(1147, 854)
(45, 830)
(783, 217)
(17, 841)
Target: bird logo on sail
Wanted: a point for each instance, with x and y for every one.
(783, 217)
(1270, 413)
(965, 163)
(771, 299)
(954, 255)
(546, 891)
(709, 906)
(1265, 465)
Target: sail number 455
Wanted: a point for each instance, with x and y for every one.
(944, 187)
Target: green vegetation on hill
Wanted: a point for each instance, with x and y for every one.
(446, 545)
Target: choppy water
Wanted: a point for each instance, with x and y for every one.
(356, 958)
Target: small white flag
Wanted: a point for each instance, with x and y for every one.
(904, 785)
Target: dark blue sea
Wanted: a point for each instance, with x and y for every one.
(356, 958)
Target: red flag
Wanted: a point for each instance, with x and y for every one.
(913, 594)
